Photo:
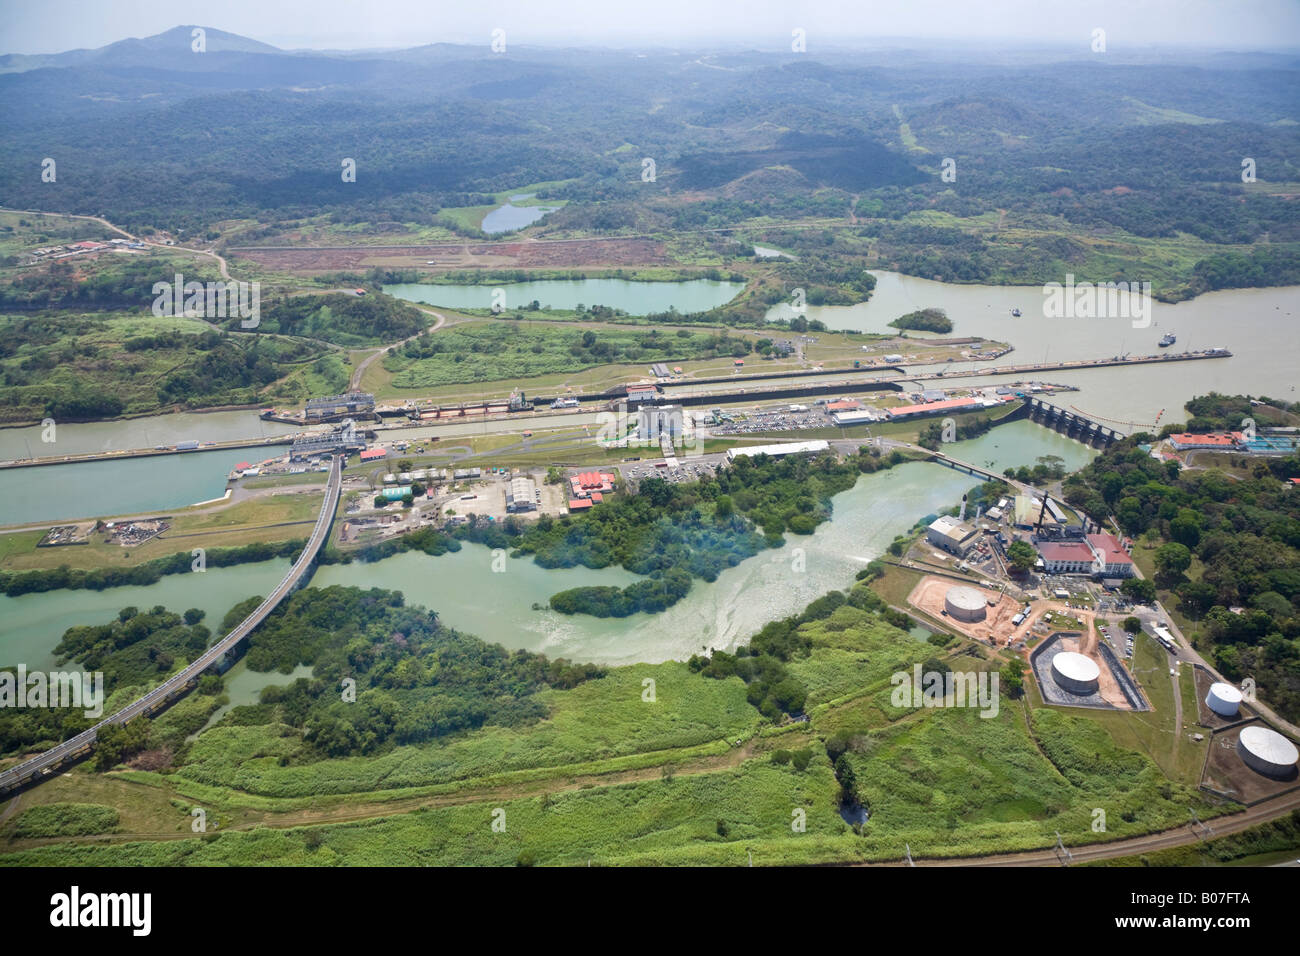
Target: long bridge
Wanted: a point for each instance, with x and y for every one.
(40, 767)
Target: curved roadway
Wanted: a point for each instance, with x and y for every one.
(38, 767)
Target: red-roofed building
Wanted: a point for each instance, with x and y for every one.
(374, 454)
(591, 483)
(1066, 557)
(1112, 561)
(579, 504)
(1218, 441)
(597, 497)
(1099, 554)
(90, 245)
(931, 408)
(242, 465)
(848, 405)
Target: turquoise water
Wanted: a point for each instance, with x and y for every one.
(130, 486)
(634, 298)
(498, 606)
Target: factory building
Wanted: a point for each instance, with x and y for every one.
(636, 394)
(931, 408)
(951, 535)
(862, 417)
(776, 451)
(1111, 560)
(521, 495)
(1066, 557)
(1211, 441)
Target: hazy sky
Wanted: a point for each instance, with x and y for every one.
(49, 26)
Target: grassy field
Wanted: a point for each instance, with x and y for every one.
(614, 779)
(1154, 732)
(269, 518)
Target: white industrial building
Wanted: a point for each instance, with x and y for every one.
(952, 535)
(654, 422)
(776, 451)
(521, 495)
(851, 417)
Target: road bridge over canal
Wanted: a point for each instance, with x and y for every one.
(36, 769)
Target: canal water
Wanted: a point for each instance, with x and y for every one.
(498, 606)
(632, 297)
(31, 625)
(104, 488)
(136, 433)
(1256, 325)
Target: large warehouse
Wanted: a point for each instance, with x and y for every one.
(776, 451)
(952, 535)
(521, 495)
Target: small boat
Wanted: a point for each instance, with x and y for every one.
(1015, 313)
(1168, 340)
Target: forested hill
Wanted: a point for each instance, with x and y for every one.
(443, 121)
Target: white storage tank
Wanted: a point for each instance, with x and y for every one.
(1223, 699)
(1075, 673)
(1267, 752)
(965, 604)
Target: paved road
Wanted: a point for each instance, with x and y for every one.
(360, 370)
(41, 766)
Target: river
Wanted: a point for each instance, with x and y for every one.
(498, 606)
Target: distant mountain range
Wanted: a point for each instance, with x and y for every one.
(168, 47)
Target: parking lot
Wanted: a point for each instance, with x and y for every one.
(694, 470)
(776, 420)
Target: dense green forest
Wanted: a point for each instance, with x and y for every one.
(135, 649)
(765, 141)
(340, 318)
(925, 320)
(90, 366)
(1221, 542)
(415, 680)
